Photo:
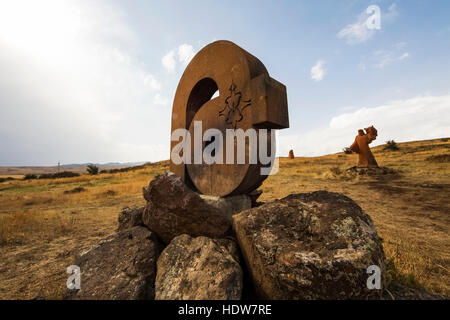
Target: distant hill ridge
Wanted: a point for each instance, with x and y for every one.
(77, 167)
(409, 146)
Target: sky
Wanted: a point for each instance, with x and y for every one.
(94, 81)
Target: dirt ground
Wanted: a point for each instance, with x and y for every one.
(42, 228)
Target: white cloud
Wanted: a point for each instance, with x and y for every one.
(400, 45)
(77, 85)
(185, 53)
(160, 100)
(384, 58)
(151, 81)
(168, 61)
(403, 56)
(418, 118)
(391, 14)
(318, 71)
(358, 32)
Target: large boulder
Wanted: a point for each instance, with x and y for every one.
(199, 268)
(130, 217)
(123, 266)
(173, 209)
(310, 246)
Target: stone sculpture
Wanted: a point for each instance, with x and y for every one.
(248, 98)
(361, 147)
(291, 154)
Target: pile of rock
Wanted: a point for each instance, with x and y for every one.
(182, 245)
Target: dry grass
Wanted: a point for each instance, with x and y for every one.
(41, 227)
(21, 171)
(15, 176)
(16, 228)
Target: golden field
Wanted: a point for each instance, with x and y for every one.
(42, 228)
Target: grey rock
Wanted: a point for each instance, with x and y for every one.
(254, 195)
(199, 268)
(310, 246)
(120, 267)
(173, 209)
(229, 205)
(130, 217)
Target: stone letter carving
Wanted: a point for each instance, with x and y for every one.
(248, 99)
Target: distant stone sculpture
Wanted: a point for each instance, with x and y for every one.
(361, 147)
(248, 98)
(291, 154)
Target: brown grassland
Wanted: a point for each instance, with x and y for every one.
(42, 228)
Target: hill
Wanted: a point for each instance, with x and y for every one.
(19, 171)
(43, 223)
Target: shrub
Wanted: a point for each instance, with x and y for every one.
(391, 145)
(335, 171)
(347, 150)
(63, 174)
(127, 169)
(110, 193)
(75, 190)
(30, 176)
(92, 169)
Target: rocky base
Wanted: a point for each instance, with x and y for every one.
(182, 245)
(173, 209)
(310, 246)
(121, 267)
(229, 205)
(199, 269)
(130, 217)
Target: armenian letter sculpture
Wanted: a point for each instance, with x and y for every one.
(361, 147)
(248, 98)
(291, 154)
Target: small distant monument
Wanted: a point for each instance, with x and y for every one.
(291, 154)
(361, 147)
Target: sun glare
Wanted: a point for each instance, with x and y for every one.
(39, 28)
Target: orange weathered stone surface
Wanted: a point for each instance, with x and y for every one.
(291, 154)
(248, 98)
(361, 147)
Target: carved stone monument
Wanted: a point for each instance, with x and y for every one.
(248, 98)
(291, 154)
(361, 147)
(186, 245)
